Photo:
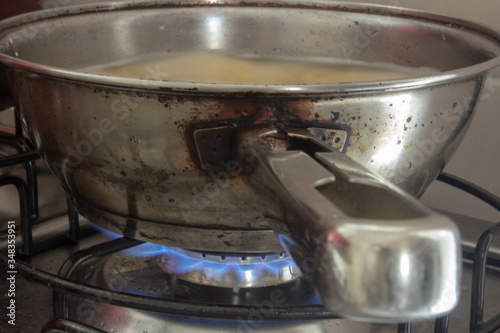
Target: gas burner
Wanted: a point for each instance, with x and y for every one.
(146, 275)
(136, 271)
(230, 270)
(215, 269)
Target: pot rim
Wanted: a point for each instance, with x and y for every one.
(342, 88)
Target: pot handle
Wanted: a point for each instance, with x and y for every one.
(374, 251)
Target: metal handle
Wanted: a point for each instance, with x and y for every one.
(376, 252)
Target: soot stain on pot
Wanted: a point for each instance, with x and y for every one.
(155, 238)
(157, 180)
(275, 112)
(257, 109)
(245, 111)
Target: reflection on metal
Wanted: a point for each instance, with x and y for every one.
(214, 32)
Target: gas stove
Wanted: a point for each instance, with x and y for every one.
(70, 276)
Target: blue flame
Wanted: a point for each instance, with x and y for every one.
(182, 263)
(143, 250)
(146, 250)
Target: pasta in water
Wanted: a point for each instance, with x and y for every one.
(214, 68)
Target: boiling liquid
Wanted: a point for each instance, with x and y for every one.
(214, 68)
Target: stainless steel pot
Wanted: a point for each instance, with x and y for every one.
(169, 162)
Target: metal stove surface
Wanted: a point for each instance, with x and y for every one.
(34, 303)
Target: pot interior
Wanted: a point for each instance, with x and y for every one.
(78, 38)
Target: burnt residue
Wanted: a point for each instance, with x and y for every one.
(142, 179)
(258, 109)
(214, 147)
(153, 238)
(335, 115)
(240, 111)
(234, 112)
(157, 175)
(181, 291)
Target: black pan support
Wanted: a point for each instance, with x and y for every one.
(63, 285)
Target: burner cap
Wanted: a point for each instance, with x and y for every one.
(230, 270)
